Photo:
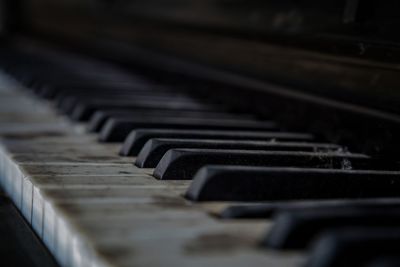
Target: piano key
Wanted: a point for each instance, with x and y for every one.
(31, 179)
(182, 164)
(96, 157)
(72, 168)
(100, 117)
(354, 246)
(44, 211)
(141, 180)
(84, 88)
(52, 90)
(125, 190)
(116, 130)
(267, 210)
(137, 139)
(83, 111)
(65, 138)
(66, 95)
(68, 104)
(155, 149)
(15, 188)
(296, 229)
(94, 180)
(82, 183)
(57, 158)
(27, 147)
(243, 183)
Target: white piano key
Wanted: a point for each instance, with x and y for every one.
(16, 193)
(77, 252)
(100, 181)
(49, 226)
(74, 169)
(2, 166)
(27, 199)
(60, 158)
(49, 216)
(63, 242)
(37, 211)
(8, 176)
(79, 149)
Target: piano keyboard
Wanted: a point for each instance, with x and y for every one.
(112, 168)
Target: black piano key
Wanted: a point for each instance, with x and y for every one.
(122, 98)
(61, 82)
(100, 117)
(267, 210)
(137, 139)
(296, 229)
(182, 164)
(66, 103)
(155, 149)
(83, 111)
(116, 130)
(50, 90)
(354, 247)
(88, 90)
(243, 183)
(254, 211)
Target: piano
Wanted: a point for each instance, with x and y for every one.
(201, 133)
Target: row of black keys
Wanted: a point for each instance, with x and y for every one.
(178, 135)
(174, 134)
